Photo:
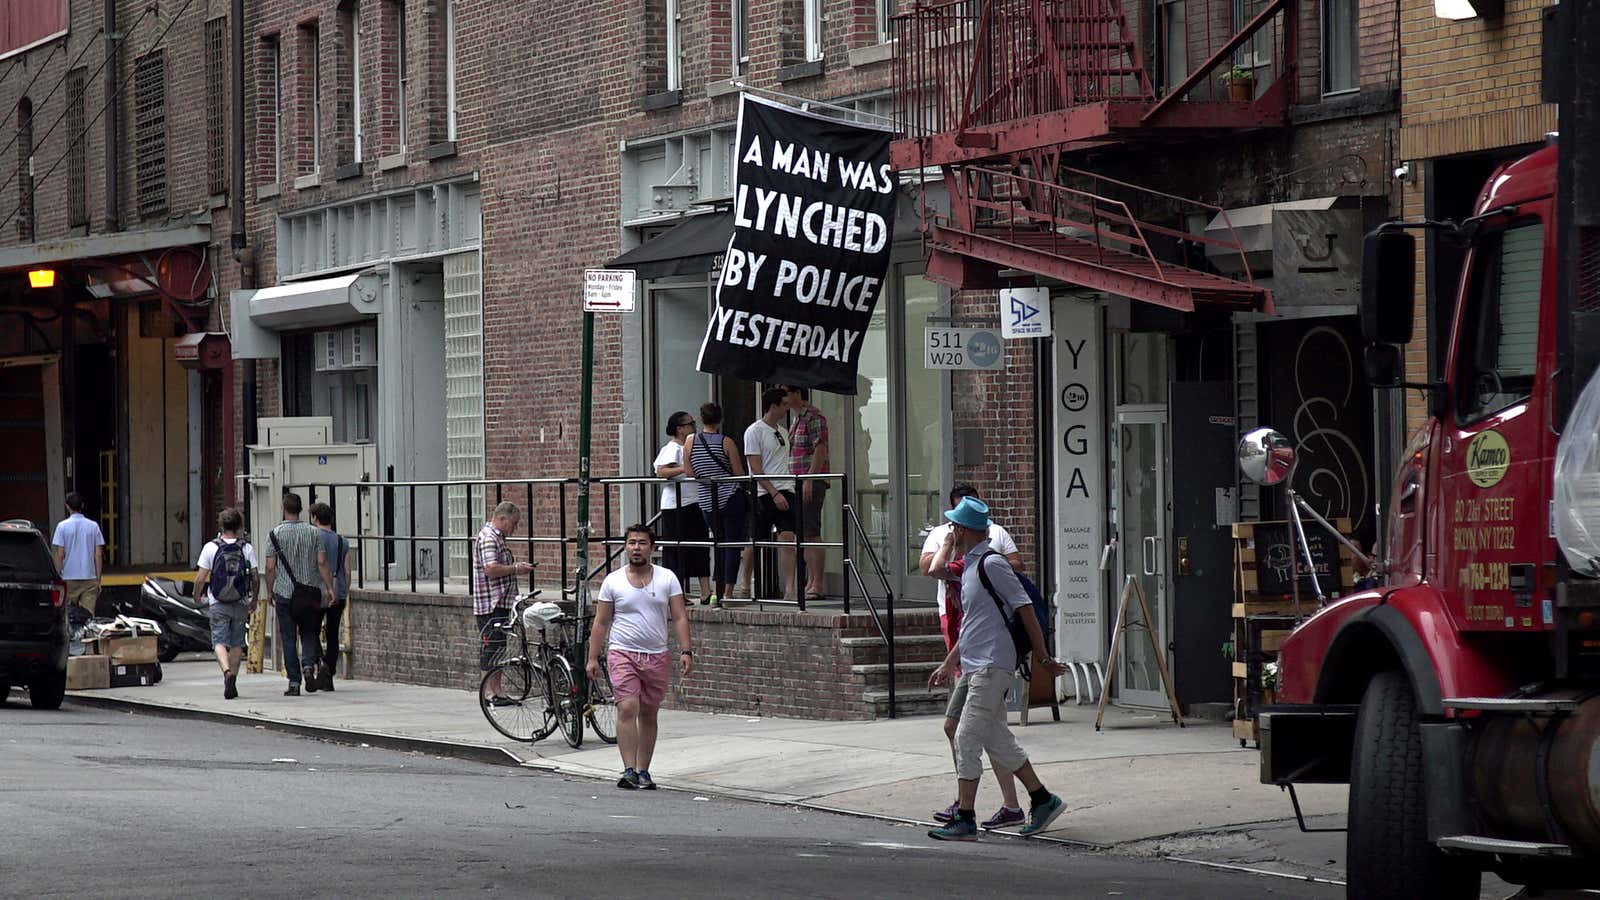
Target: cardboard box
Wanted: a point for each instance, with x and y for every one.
(135, 675)
(88, 673)
(127, 651)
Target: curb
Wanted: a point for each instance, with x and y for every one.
(483, 753)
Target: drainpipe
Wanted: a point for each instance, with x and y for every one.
(113, 115)
(243, 253)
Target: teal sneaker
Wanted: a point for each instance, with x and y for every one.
(960, 829)
(1042, 814)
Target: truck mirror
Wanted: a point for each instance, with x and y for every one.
(1388, 286)
(1266, 457)
(1383, 364)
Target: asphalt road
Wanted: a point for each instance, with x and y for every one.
(102, 803)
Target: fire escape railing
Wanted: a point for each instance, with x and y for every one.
(1054, 217)
(970, 63)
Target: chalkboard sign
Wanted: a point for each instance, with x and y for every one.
(1274, 569)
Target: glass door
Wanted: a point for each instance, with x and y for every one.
(1141, 464)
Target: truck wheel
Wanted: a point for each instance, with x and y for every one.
(1388, 852)
(47, 691)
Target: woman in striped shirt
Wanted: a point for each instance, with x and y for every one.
(711, 454)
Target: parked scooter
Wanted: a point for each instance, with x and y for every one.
(184, 623)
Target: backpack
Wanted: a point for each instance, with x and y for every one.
(231, 575)
(1019, 632)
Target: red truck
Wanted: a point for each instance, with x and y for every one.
(1460, 700)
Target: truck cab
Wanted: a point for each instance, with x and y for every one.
(1460, 700)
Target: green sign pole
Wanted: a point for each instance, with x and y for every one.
(585, 416)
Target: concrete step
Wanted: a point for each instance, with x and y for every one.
(904, 656)
(900, 640)
(900, 666)
(908, 702)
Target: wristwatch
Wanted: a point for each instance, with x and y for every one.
(688, 653)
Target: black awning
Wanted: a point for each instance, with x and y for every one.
(688, 248)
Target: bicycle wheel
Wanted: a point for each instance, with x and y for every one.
(568, 706)
(520, 711)
(603, 706)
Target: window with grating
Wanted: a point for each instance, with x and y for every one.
(25, 170)
(77, 159)
(150, 132)
(216, 63)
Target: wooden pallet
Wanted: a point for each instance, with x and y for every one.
(1262, 622)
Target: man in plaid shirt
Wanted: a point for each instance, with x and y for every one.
(494, 587)
(808, 452)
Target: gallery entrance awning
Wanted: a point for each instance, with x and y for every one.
(688, 248)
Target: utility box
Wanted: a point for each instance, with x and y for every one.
(299, 431)
(329, 473)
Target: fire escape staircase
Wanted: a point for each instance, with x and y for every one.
(995, 93)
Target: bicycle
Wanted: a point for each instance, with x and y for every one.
(537, 684)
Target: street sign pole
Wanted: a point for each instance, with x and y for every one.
(585, 414)
(604, 290)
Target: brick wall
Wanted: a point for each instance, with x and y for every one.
(747, 662)
(40, 76)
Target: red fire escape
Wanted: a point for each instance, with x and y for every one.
(999, 95)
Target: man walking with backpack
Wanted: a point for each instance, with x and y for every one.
(227, 581)
(992, 636)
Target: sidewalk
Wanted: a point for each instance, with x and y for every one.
(1142, 786)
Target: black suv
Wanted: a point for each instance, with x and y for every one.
(33, 617)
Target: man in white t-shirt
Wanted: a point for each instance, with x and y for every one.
(766, 451)
(635, 603)
(226, 581)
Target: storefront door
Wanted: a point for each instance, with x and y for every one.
(1141, 462)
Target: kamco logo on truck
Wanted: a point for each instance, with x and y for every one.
(1488, 457)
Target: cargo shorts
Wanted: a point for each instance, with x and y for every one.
(228, 622)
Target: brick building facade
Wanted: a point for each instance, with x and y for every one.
(116, 181)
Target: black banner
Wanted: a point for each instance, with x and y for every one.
(813, 224)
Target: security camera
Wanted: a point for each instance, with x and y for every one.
(1403, 174)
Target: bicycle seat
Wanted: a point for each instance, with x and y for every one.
(541, 614)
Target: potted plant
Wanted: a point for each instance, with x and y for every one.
(1269, 684)
(1241, 84)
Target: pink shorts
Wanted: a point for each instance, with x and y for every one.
(642, 675)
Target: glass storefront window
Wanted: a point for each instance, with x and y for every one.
(892, 439)
(1144, 368)
(928, 436)
(678, 317)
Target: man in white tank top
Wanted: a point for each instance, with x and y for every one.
(634, 606)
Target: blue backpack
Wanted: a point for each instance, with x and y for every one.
(1019, 632)
(230, 573)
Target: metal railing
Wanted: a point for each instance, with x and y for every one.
(550, 531)
(1080, 222)
(964, 64)
(399, 530)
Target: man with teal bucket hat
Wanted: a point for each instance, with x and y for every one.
(989, 657)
